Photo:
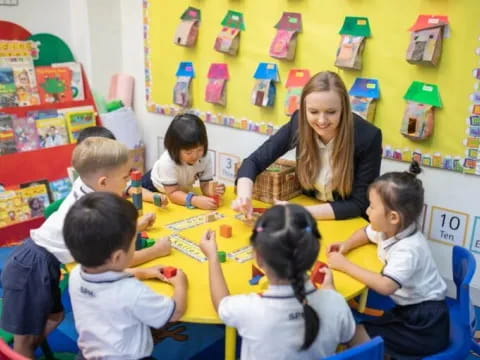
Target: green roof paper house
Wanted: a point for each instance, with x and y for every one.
(285, 41)
(297, 78)
(263, 93)
(363, 97)
(425, 45)
(349, 52)
(181, 91)
(228, 39)
(187, 30)
(418, 120)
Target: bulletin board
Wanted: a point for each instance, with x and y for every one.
(454, 144)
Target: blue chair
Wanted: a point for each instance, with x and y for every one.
(372, 350)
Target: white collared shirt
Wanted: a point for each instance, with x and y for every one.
(50, 234)
(166, 172)
(113, 313)
(409, 262)
(323, 183)
(272, 325)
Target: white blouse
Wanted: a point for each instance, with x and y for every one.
(323, 184)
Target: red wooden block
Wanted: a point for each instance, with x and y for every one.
(169, 271)
(317, 277)
(136, 175)
(217, 199)
(259, 210)
(144, 235)
(226, 231)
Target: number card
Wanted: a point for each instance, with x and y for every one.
(475, 244)
(226, 164)
(448, 226)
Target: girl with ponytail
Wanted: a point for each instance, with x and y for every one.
(291, 319)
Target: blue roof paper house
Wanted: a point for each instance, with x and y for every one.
(363, 96)
(263, 93)
(185, 68)
(267, 71)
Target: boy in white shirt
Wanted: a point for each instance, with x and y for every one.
(30, 278)
(113, 310)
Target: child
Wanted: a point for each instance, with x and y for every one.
(185, 160)
(30, 278)
(112, 309)
(291, 319)
(147, 195)
(419, 323)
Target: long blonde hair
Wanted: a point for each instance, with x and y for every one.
(308, 157)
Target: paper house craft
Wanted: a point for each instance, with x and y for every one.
(349, 52)
(425, 45)
(418, 120)
(363, 97)
(285, 41)
(228, 39)
(263, 93)
(297, 78)
(187, 30)
(216, 89)
(181, 92)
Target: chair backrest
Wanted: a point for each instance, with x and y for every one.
(463, 267)
(7, 353)
(372, 350)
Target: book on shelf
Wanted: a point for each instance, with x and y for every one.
(36, 197)
(78, 92)
(77, 121)
(60, 188)
(8, 91)
(26, 135)
(13, 208)
(7, 137)
(39, 182)
(54, 84)
(51, 128)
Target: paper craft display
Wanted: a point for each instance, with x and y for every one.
(187, 31)
(54, 84)
(363, 97)
(228, 40)
(181, 92)
(418, 120)
(349, 52)
(77, 121)
(216, 89)
(297, 78)
(425, 45)
(263, 93)
(285, 41)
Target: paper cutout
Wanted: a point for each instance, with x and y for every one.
(263, 93)
(363, 95)
(285, 41)
(215, 91)
(349, 52)
(423, 93)
(228, 40)
(234, 20)
(355, 26)
(181, 91)
(425, 45)
(297, 78)
(187, 31)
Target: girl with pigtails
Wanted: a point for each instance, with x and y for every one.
(291, 319)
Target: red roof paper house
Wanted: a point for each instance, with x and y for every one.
(285, 41)
(297, 78)
(228, 39)
(426, 39)
(216, 88)
(349, 52)
(187, 30)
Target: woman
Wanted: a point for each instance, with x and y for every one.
(338, 153)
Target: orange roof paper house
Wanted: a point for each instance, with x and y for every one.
(285, 41)
(187, 31)
(297, 78)
(215, 91)
(228, 40)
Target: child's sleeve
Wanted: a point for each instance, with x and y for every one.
(151, 308)
(207, 173)
(372, 235)
(347, 323)
(401, 265)
(235, 310)
(164, 173)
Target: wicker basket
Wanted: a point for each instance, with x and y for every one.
(277, 182)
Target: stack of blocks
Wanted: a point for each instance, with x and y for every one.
(136, 186)
(212, 186)
(143, 241)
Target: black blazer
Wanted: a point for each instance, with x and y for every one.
(367, 158)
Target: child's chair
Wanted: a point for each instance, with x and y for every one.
(7, 353)
(372, 350)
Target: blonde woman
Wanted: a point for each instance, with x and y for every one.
(338, 153)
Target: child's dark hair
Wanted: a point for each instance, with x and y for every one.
(97, 131)
(186, 131)
(287, 239)
(98, 224)
(402, 192)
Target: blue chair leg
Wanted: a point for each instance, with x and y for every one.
(475, 347)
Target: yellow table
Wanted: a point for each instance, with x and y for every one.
(199, 306)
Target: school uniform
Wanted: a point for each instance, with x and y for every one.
(31, 275)
(367, 157)
(113, 313)
(272, 326)
(419, 323)
(166, 172)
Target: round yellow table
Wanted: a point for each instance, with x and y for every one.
(237, 275)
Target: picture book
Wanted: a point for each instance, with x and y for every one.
(36, 197)
(54, 84)
(7, 137)
(26, 135)
(8, 91)
(60, 188)
(78, 92)
(51, 128)
(77, 121)
(39, 182)
(13, 208)
(24, 78)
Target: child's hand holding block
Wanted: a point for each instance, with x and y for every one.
(317, 277)
(169, 271)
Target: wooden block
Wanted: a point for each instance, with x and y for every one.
(317, 277)
(226, 231)
(212, 185)
(210, 217)
(169, 271)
